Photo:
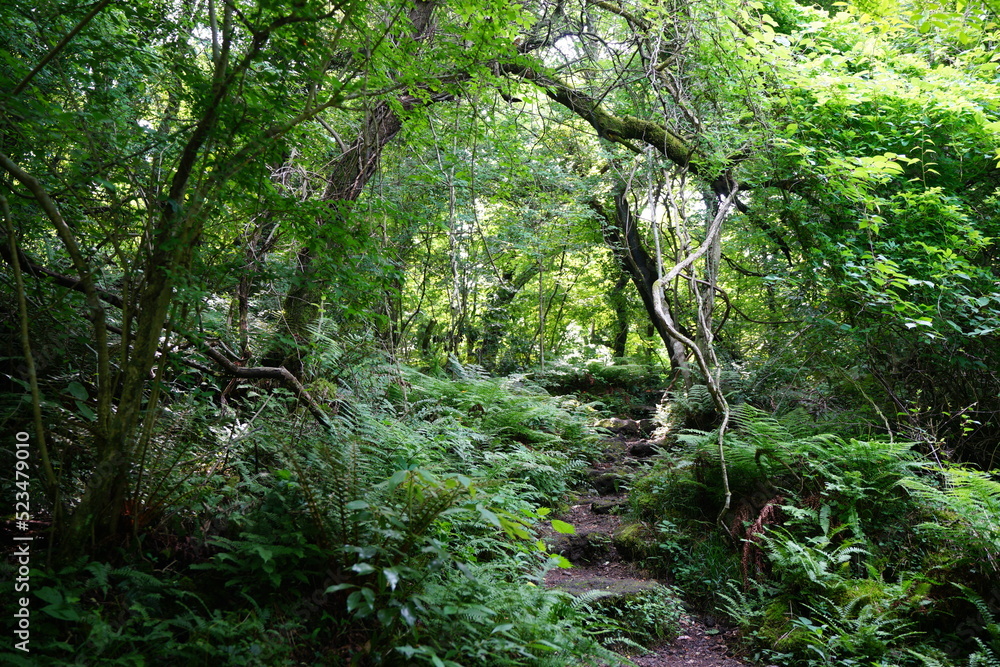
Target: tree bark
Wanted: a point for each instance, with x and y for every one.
(619, 305)
(496, 317)
(622, 234)
(348, 177)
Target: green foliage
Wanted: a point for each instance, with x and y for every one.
(988, 654)
(819, 567)
(522, 434)
(478, 618)
(828, 574)
(624, 387)
(224, 176)
(852, 633)
(967, 505)
(95, 612)
(646, 618)
(366, 530)
(901, 251)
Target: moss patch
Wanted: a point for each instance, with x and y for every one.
(634, 541)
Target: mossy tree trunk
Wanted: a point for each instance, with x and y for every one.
(496, 316)
(619, 305)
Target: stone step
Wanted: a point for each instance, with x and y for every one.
(614, 587)
(628, 427)
(608, 481)
(607, 506)
(583, 547)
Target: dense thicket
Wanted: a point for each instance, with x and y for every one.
(234, 230)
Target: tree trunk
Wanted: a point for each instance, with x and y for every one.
(619, 304)
(257, 242)
(348, 177)
(622, 234)
(496, 317)
(705, 289)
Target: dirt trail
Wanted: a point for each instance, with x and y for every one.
(598, 565)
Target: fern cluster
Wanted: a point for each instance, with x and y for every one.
(966, 504)
(507, 429)
(832, 570)
(405, 530)
(477, 618)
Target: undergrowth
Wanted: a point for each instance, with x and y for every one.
(837, 551)
(404, 535)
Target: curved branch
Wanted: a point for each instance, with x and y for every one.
(266, 373)
(618, 129)
(635, 21)
(86, 282)
(741, 270)
(52, 483)
(711, 381)
(713, 231)
(38, 271)
(731, 306)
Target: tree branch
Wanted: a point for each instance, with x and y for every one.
(618, 129)
(86, 281)
(711, 381)
(52, 483)
(262, 372)
(38, 271)
(635, 21)
(58, 47)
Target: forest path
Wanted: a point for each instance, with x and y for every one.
(597, 565)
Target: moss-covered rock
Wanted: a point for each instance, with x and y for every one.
(625, 427)
(584, 547)
(608, 482)
(795, 641)
(634, 541)
(608, 506)
(643, 449)
(777, 621)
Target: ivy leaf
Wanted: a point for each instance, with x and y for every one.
(59, 607)
(489, 516)
(84, 411)
(562, 561)
(338, 587)
(78, 391)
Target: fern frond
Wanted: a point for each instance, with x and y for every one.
(926, 659)
(584, 600)
(969, 511)
(985, 657)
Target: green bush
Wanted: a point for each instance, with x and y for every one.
(94, 612)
